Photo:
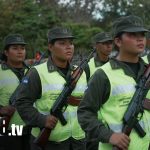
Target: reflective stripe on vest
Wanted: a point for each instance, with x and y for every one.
(56, 87)
(7, 81)
(121, 93)
(65, 114)
(121, 89)
(52, 85)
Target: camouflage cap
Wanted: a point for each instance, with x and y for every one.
(59, 33)
(102, 37)
(12, 39)
(128, 24)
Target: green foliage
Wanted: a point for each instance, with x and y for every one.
(33, 19)
(113, 9)
(83, 33)
(30, 20)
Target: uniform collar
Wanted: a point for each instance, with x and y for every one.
(98, 62)
(4, 66)
(115, 64)
(52, 67)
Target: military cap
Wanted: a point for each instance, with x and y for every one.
(102, 37)
(12, 39)
(128, 24)
(59, 33)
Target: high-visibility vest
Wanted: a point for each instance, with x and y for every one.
(8, 84)
(92, 66)
(112, 112)
(145, 58)
(52, 85)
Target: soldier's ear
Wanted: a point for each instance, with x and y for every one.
(6, 52)
(50, 47)
(117, 42)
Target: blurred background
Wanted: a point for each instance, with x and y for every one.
(33, 18)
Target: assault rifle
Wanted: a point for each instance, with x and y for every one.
(5, 120)
(62, 101)
(137, 106)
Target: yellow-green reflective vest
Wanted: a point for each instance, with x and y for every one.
(8, 84)
(92, 66)
(145, 59)
(52, 85)
(122, 90)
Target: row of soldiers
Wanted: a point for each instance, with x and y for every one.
(104, 91)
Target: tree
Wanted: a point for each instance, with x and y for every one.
(29, 19)
(111, 10)
(78, 11)
(33, 18)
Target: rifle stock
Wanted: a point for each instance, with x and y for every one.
(42, 139)
(62, 100)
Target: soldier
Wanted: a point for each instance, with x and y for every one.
(12, 71)
(111, 88)
(46, 82)
(103, 45)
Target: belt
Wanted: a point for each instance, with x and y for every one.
(74, 101)
(146, 104)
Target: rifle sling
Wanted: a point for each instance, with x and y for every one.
(146, 104)
(74, 101)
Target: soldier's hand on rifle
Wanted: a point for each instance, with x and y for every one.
(51, 122)
(120, 140)
(7, 111)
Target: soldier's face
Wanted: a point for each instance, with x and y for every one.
(133, 43)
(62, 49)
(104, 48)
(16, 53)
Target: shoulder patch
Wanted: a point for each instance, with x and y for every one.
(25, 80)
